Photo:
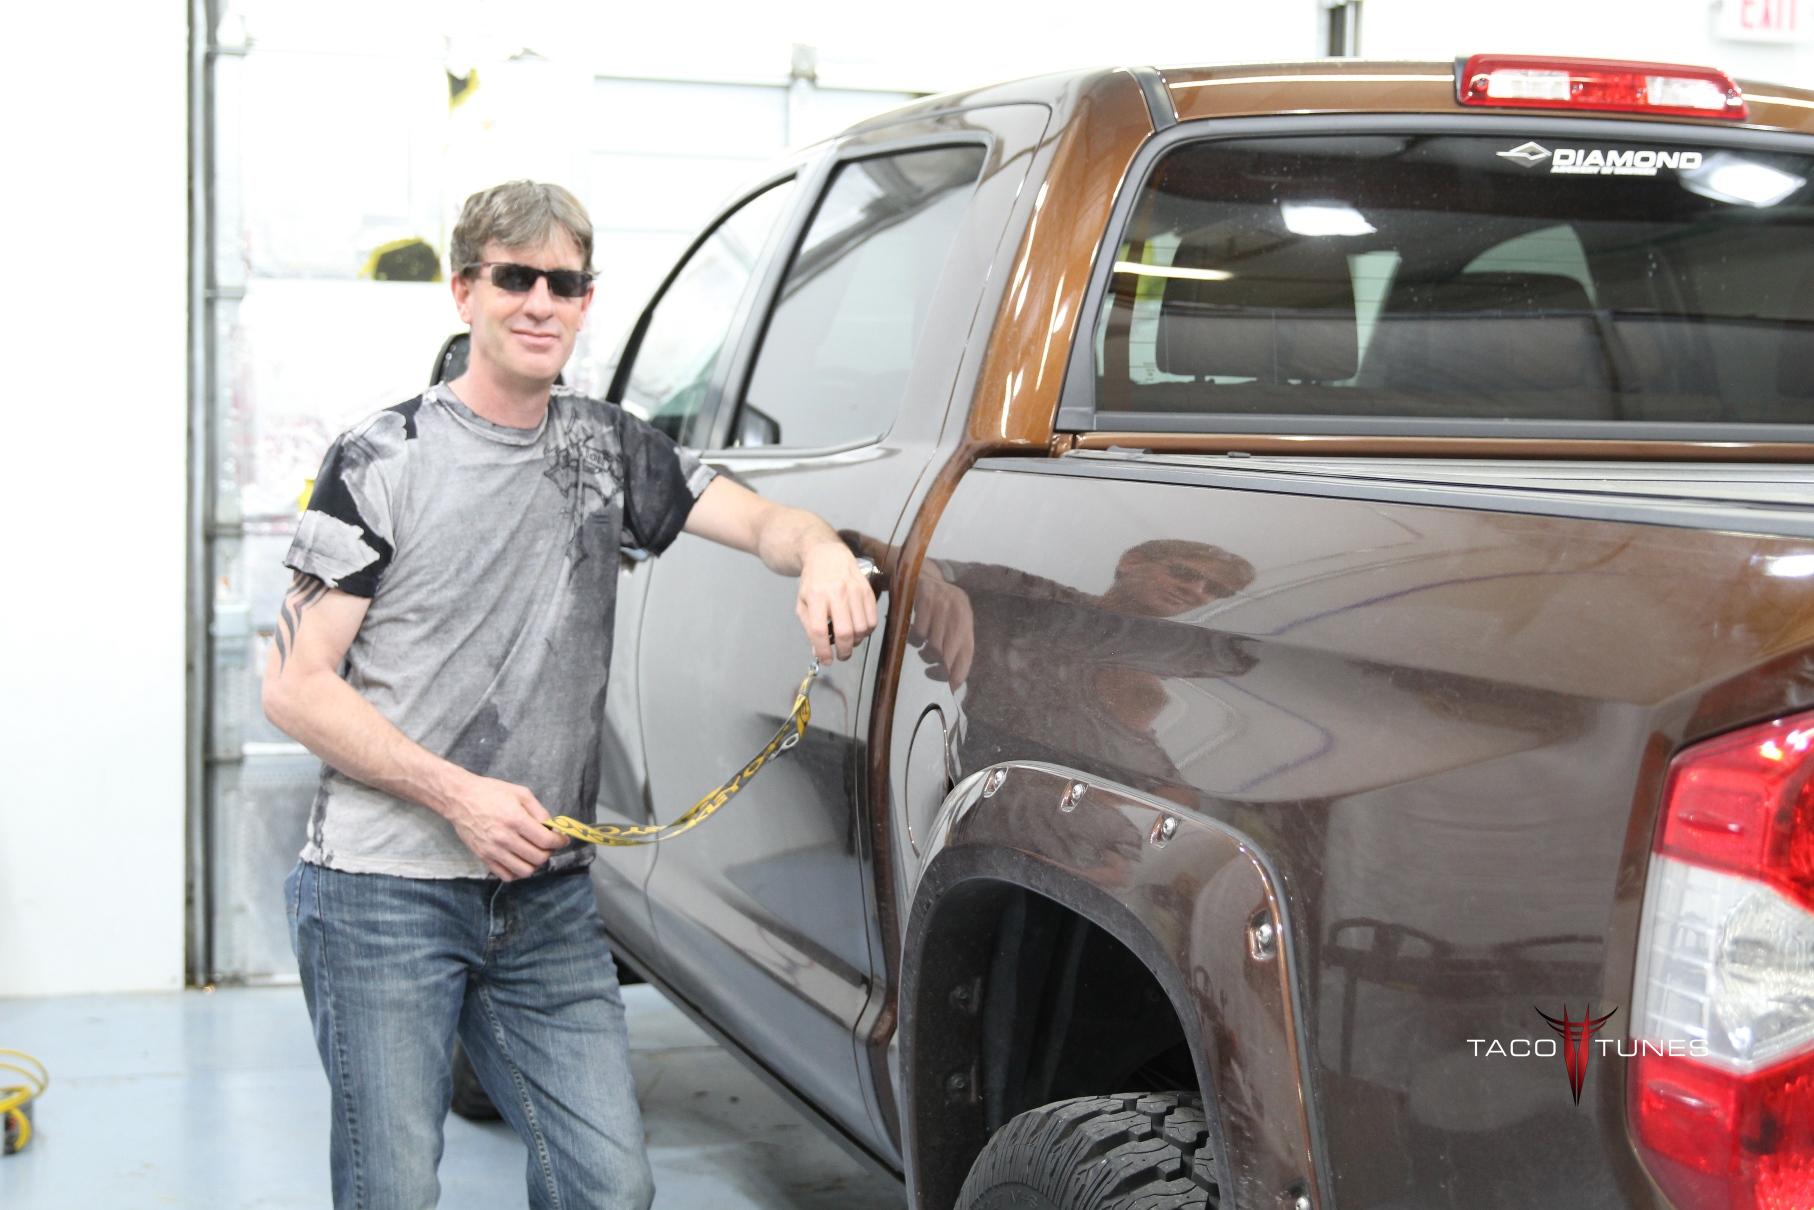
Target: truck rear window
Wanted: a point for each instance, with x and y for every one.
(1466, 276)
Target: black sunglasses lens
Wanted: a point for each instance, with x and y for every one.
(567, 283)
(517, 279)
(520, 279)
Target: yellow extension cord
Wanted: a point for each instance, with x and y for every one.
(621, 835)
(15, 1097)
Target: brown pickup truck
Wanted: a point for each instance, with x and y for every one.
(1339, 733)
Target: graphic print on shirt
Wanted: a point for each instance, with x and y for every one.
(488, 646)
(343, 536)
(586, 469)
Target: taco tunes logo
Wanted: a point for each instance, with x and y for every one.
(1575, 1043)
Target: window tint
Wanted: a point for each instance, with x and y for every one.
(674, 360)
(837, 353)
(1458, 276)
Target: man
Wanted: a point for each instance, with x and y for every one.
(444, 650)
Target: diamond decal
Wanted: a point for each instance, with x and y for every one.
(1526, 153)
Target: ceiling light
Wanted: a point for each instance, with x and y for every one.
(1128, 266)
(1324, 218)
(1730, 178)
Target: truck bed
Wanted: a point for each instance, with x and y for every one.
(1454, 692)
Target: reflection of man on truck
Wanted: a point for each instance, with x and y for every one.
(995, 629)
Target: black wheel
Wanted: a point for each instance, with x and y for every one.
(1131, 1151)
(469, 1099)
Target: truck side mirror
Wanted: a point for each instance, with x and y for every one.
(450, 362)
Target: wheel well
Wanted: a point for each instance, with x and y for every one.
(1018, 1001)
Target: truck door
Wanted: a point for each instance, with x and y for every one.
(677, 343)
(834, 403)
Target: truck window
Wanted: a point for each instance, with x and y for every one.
(835, 358)
(673, 361)
(1464, 276)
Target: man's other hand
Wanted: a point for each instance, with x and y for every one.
(502, 824)
(836, 606)
(944, 625)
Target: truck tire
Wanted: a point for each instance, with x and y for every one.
(1131, 1151)
(470, 1100)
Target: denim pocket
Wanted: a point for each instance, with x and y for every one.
(292, 906)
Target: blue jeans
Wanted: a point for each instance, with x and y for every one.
(393, 967)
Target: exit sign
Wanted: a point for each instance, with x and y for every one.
(1765, 20)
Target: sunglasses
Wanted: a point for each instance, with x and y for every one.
(520, 279)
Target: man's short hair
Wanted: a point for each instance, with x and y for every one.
(518, 214)
(1240, 570)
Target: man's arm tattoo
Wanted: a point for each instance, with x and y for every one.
(305, 590)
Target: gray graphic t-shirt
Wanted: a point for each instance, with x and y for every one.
(490, 556)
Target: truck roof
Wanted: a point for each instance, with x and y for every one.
(1404, 86)
(1325, 86)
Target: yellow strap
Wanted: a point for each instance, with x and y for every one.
(622, 835)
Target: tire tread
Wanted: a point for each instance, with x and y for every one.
(1129, 1151)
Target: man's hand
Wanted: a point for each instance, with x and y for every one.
(835, 606)
(502, 824)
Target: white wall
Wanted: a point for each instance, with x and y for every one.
(95, 299)
(928, 46)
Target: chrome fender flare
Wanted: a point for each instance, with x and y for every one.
(1196, 901)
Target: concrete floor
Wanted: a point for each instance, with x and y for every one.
(216, 1101)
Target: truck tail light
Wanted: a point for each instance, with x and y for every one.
(1536, 82)
(1722, 1088)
